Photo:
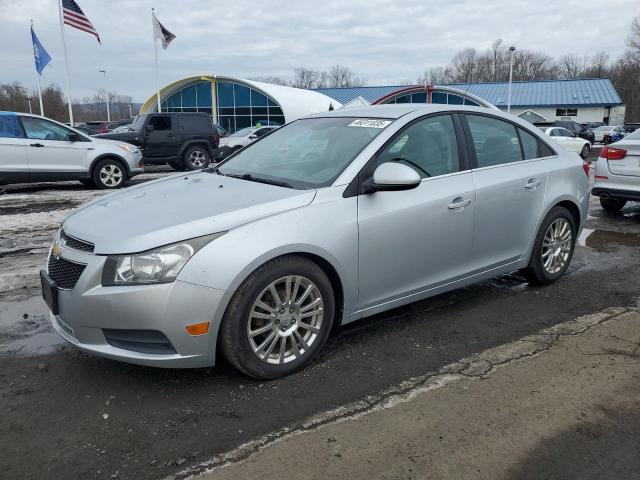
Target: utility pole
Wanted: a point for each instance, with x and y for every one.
(511, 49)
(106, 89)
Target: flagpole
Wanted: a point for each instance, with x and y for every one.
(155, 48)
(38, 82)
(66, 61)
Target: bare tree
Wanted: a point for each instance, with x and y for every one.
(341, 76)
(633, 40)
(270, 79)
(305, 78)
(571, 66)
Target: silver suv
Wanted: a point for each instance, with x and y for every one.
(37, 149)
(617, 176)
(327, 220)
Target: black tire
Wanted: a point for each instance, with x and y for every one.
(612, 205)
(233, 338)
(584, 153)
(196, 158)
(536, 272)
(101, 178)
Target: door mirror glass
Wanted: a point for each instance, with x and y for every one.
(149, 128)
(253, 136)
(391, 176)
(74, 137)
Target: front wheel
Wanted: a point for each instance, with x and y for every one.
(109, 174)
(553, 247)
(612, 205)
(196, 158)
(279, 318)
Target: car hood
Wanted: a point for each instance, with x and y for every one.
(122, 136)
(177, 208)
(111, 141)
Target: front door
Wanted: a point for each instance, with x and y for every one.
(13, 152)
(161, 141)
(510, 187)
(410, 241)
(51, 155)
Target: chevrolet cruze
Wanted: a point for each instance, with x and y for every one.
(329, 219)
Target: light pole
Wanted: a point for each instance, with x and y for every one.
(130, 114)
(511, 49)
(106, 87)
(29, 100)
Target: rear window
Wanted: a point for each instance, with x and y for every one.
(198, 123)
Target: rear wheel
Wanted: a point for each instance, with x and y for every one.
(279, 318)
(553, 247)
(613, 205)
(109, 174)
(196, 158)
(586, 150)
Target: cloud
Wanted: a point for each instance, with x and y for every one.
(384, 41)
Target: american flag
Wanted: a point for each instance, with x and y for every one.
(75, 17)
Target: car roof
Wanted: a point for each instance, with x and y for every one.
(395, 111)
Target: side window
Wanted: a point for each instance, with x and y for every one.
(529, 144)
(160, 122)
(9, 127)
(194, 123)
(429, 145)
(563, 132)
(40, 129)
(495, 141)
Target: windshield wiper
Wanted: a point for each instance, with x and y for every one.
(215, 170)
(251, 178)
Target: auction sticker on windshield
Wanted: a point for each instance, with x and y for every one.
(362, 122)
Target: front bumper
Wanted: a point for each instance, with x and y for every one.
(89, 313)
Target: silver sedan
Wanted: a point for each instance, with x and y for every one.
(329, 219)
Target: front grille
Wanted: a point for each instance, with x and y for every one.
(76, 244)
(64, 273)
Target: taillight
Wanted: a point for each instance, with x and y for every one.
(613, 153)
(586, 167)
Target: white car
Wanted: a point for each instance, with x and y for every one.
(244, 137)
(600, 132)
(38, 149)
(569, 141)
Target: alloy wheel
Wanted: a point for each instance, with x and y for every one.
(197, 159)
(556, 246)
(285, 320)
(111, 175)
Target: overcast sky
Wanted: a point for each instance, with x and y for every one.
(384, 41)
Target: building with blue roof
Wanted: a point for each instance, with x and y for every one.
(584, 100)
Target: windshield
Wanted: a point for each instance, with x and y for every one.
(138, 122)
(308, 153)
(243, 133)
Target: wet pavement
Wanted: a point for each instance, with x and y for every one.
(67, 414)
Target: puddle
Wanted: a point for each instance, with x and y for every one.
(25, 329)
(606, 239)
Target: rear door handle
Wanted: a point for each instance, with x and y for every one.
(459, 203)
(532, 183)
(36, 145)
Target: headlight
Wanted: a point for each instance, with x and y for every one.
(160, 265)
(129, 148)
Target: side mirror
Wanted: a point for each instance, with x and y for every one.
(253, 136)
(393, 176)
(74, 137)
(148, 128)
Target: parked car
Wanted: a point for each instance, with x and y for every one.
(96, 127)
(395, 203)
(38, 149)
(183, 140)
(631, 127)
(221, 131)
(240, 139)
(617, 175)
(573, 127)
(592, 125)
(613, 135)
(122, 128)
(600, 132)
(113, 125)
(569, 141)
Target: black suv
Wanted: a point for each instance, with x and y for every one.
(574, 127)
(183, 140)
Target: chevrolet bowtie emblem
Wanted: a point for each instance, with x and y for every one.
(56, 250)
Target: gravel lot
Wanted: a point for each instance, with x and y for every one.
(67, 414)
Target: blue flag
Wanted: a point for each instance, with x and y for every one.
(40, 55)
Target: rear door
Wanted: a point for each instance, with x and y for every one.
(13, 151)
(51, 155)
(161, 141)
(510, 184)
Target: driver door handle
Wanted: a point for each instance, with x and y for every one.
(459, 204)
(532, 183)
(36, 145)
